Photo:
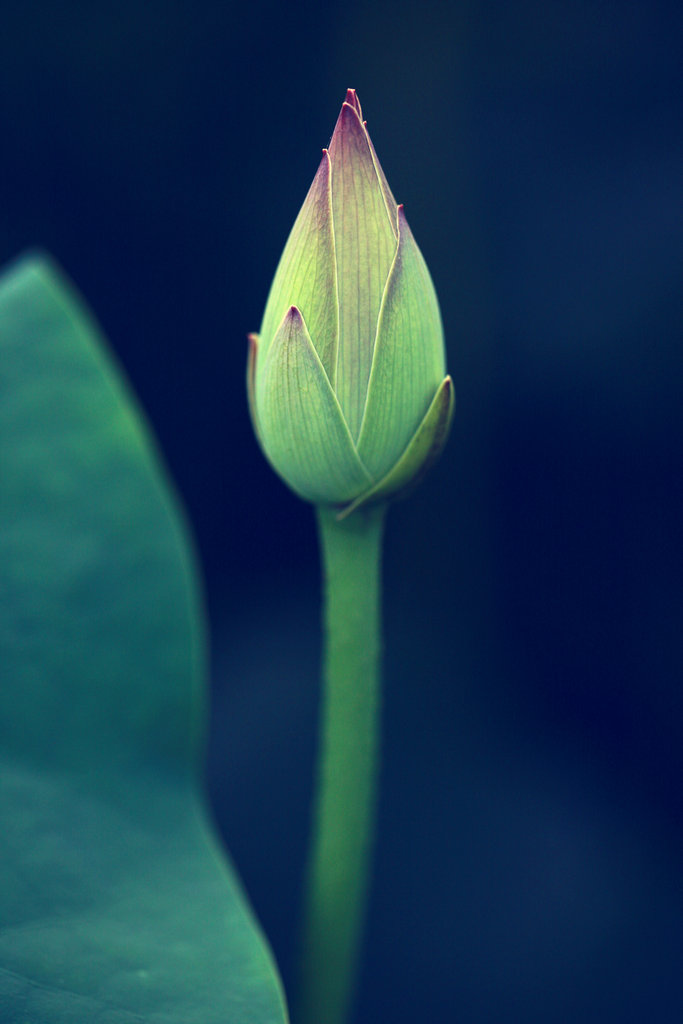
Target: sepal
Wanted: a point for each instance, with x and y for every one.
(423, 450)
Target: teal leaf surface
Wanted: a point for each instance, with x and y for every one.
(117, 905)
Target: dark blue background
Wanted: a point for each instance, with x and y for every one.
(529, 859)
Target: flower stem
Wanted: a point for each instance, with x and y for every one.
(347, 764)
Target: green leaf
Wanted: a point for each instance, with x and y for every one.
(116, 904)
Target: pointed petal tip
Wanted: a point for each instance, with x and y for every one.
(350, 115)
(291, 324)
(252, 354)
(294, 323)
(251, 382)
(349, 124)
(321, 180)
(404, 232)
(353, 101)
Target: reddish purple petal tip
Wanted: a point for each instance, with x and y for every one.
(354, 102)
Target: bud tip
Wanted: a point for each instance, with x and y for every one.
(293, 315)
(352, 99)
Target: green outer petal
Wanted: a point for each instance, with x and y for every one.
(306, 274)
(303, 430)
(365, 246)
(391, 204)
(408, 361)
(423, 450)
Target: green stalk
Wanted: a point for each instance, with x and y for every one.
(343, 824)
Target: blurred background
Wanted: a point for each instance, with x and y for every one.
(529, 862)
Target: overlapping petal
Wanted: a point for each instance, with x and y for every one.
(300, 424)
(408, 359)
(365, 245)
(421, 452)
(306, 274)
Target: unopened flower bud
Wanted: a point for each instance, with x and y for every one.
(346, 380)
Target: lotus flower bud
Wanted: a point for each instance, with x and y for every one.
(346, 379)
